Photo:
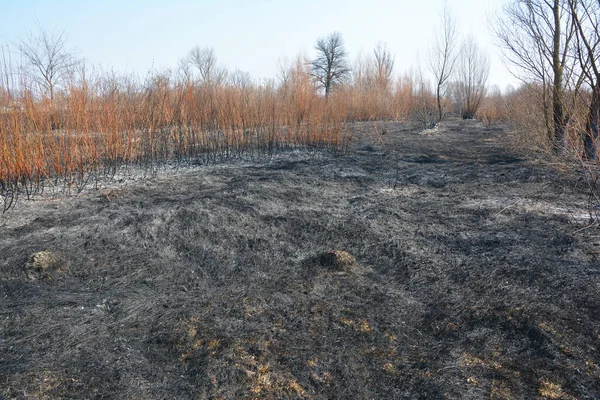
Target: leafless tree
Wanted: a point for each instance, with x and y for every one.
(330, 67)
(376, 71)
(472, 74)
(240, 79)
(184, 69)
(7, 78)
(443, 57)
(47, 58)
(283, 72)
(536, 36)
(204, 60)
(364, 74)
(586, 20)
(384, 65)
(424, 108)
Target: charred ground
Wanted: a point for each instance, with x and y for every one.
(473, 279)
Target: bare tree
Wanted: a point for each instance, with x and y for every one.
(472, 73)
(283, 72)
(384, 65)
(330, 67)
(7, 78)
(536, 36)
(205, 61)
(586, 20)
(443, 56)
(47, 58)
(184, 68)
(424, 107)
(240, 79)
(364, 73)
(376, 71)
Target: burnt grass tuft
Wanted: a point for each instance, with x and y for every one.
(472, 279)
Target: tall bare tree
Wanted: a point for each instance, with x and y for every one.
(384, 65)
(424, 102)
(586, 20)
(330, 67)
(374, 71)
(47, 58)
(443, 56)
(536, 36)
(472, 74)
(364, 74)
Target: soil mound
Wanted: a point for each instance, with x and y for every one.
(338, 260)
(43, 264)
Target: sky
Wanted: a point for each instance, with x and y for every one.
(253, 36)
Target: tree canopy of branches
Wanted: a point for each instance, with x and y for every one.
(7, 76)
(384, 65)
(472, 74)
(376, 71)
(536, 36)
(330, 67)
(47, 59)
(204, 61)
(586, 20)
(443, 57)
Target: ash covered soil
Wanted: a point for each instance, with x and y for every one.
(475, 277)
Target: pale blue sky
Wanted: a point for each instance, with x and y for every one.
(249, 35)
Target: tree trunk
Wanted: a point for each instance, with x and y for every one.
(52, 116)
(328, 81)
(591, 127)
(558, 115)
(439, 103)
(559, 121)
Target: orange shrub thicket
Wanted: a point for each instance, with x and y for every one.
(97, 125)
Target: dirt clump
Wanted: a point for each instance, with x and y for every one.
(44, 264)
(338, 260)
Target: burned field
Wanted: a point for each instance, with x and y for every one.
(424, 266)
